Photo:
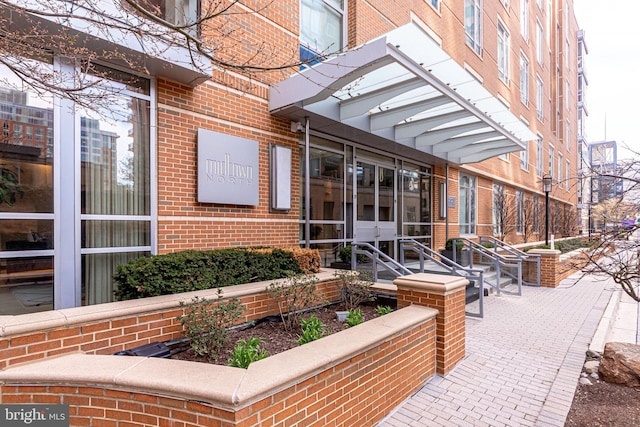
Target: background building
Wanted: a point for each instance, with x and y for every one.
(427, 115)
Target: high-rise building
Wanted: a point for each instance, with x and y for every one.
(306, 122)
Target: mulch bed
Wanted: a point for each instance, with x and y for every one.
(275, 339)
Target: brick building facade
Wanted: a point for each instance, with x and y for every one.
(353, 166)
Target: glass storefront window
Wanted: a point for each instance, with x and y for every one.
(26, 285)
(415, 190)
(26, 195)
(114, 206)
(114, 234)
(97, 275)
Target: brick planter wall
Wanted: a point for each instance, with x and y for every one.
(112, 327)
(447, 295)
(354, 377)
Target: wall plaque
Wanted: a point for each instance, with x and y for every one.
(227, 169)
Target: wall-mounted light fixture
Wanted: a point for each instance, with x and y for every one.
(280, 176)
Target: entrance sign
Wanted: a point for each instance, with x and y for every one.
(227, 169)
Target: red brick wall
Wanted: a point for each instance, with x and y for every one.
(110, 335)
(359, 391)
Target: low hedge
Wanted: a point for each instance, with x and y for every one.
(568, 245)
(194, 270)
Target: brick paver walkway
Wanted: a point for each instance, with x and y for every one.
(522, 364)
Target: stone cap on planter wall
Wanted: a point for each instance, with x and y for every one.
(40, 321)
(430, 282)
(226, 386)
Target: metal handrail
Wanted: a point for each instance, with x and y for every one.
(499, 245)
(453, 268)
(379, 258)
(502, 265)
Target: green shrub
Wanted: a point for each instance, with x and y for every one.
(355, 317)
(312, 329)
(449, 244)
(382, 310)
(291, 296)
(195, 270)
(565, 246)
(206, 320)
(345, 255)
(246, 352)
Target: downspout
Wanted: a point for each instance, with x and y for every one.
(307, 185)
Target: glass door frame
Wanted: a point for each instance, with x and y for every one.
(376, 230)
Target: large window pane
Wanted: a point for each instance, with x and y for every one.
(26, 159)
(26, 234)
(327, 185)
(97, 275)
(115, 158)
(114, 234)
(321, 25)
(26, 285)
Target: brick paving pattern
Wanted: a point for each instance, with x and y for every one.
(522, 363)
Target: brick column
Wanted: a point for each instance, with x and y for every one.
(447, 295)
(549, 261)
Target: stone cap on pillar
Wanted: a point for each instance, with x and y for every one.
(430, 282)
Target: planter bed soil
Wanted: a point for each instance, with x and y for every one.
(275, 339)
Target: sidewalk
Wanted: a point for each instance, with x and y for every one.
(522, 363)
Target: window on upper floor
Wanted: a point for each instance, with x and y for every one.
(524, 157)
(321, 28)
(473, 24)
(506, 4)
(560, 170)
(435, 4)
(524, 80)
(551, 156)
(567, 54)
(567, 134)
(524, 19)
(503, 53)
(539, 157)
(181, 13)
(539, 99)
(539, 43)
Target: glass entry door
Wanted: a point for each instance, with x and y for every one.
(376, 205)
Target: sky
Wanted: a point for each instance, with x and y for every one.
(613, 72)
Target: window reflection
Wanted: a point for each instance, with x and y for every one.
(26, 171)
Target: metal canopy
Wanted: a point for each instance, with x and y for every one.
(402, 90)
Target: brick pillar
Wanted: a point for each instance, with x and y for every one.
(447, 295)
(549, 261)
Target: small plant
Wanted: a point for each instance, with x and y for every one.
(355, 317)
(450, 242)
(246, 352)
(383, 309)
(356, 288)
(292, 295)
(206, 321)
(345, 255)
(312, 329)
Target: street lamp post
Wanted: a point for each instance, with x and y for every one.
(546, 183)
